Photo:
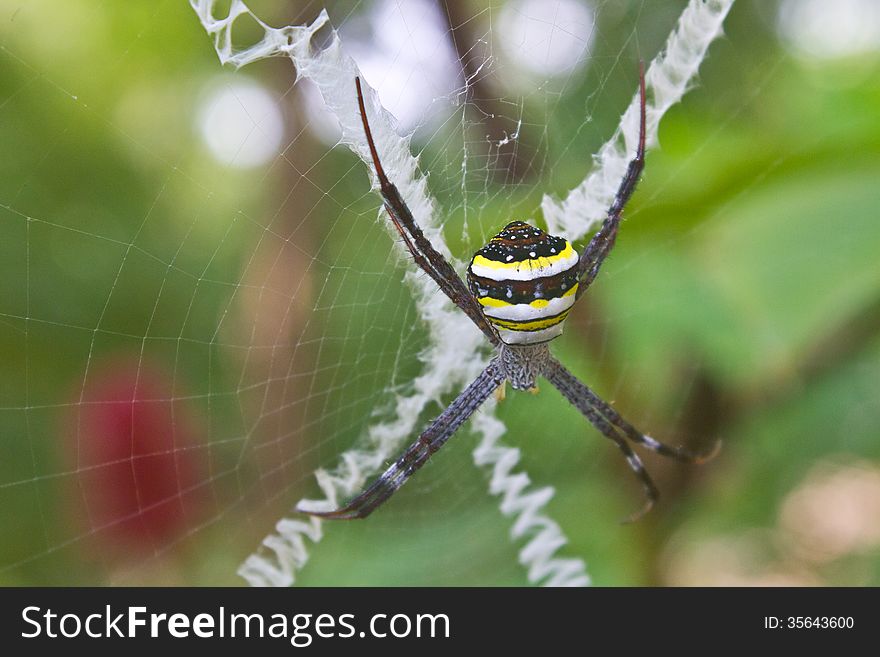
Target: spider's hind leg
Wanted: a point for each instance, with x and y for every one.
(603, 241)
(423, 252)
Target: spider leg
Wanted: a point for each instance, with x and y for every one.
(652, 494)
(424, 254)
(678, 453)
(603, 241)
(608, 421)
(417, 454)
(574, 391)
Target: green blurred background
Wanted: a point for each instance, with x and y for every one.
(185, 334)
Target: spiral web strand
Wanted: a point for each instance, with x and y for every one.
(455, 352)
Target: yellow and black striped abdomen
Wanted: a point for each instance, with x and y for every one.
(526, 282)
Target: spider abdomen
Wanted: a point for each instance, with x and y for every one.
(525, 281)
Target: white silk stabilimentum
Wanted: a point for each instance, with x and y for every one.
(667, 79)
(455, 352)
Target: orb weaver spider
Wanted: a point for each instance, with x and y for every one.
(520, 287)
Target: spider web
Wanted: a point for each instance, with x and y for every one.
(270, 344)
(444, 359)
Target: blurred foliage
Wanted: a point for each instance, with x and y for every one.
(742, 301)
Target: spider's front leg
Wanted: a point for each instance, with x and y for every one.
(432, 439)
(608, 421)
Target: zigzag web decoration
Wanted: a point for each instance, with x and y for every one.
(455, 353)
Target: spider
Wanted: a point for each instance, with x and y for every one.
(520, 288)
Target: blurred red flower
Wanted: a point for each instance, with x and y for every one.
(137, 452)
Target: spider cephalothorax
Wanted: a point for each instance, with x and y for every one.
(520, 288)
